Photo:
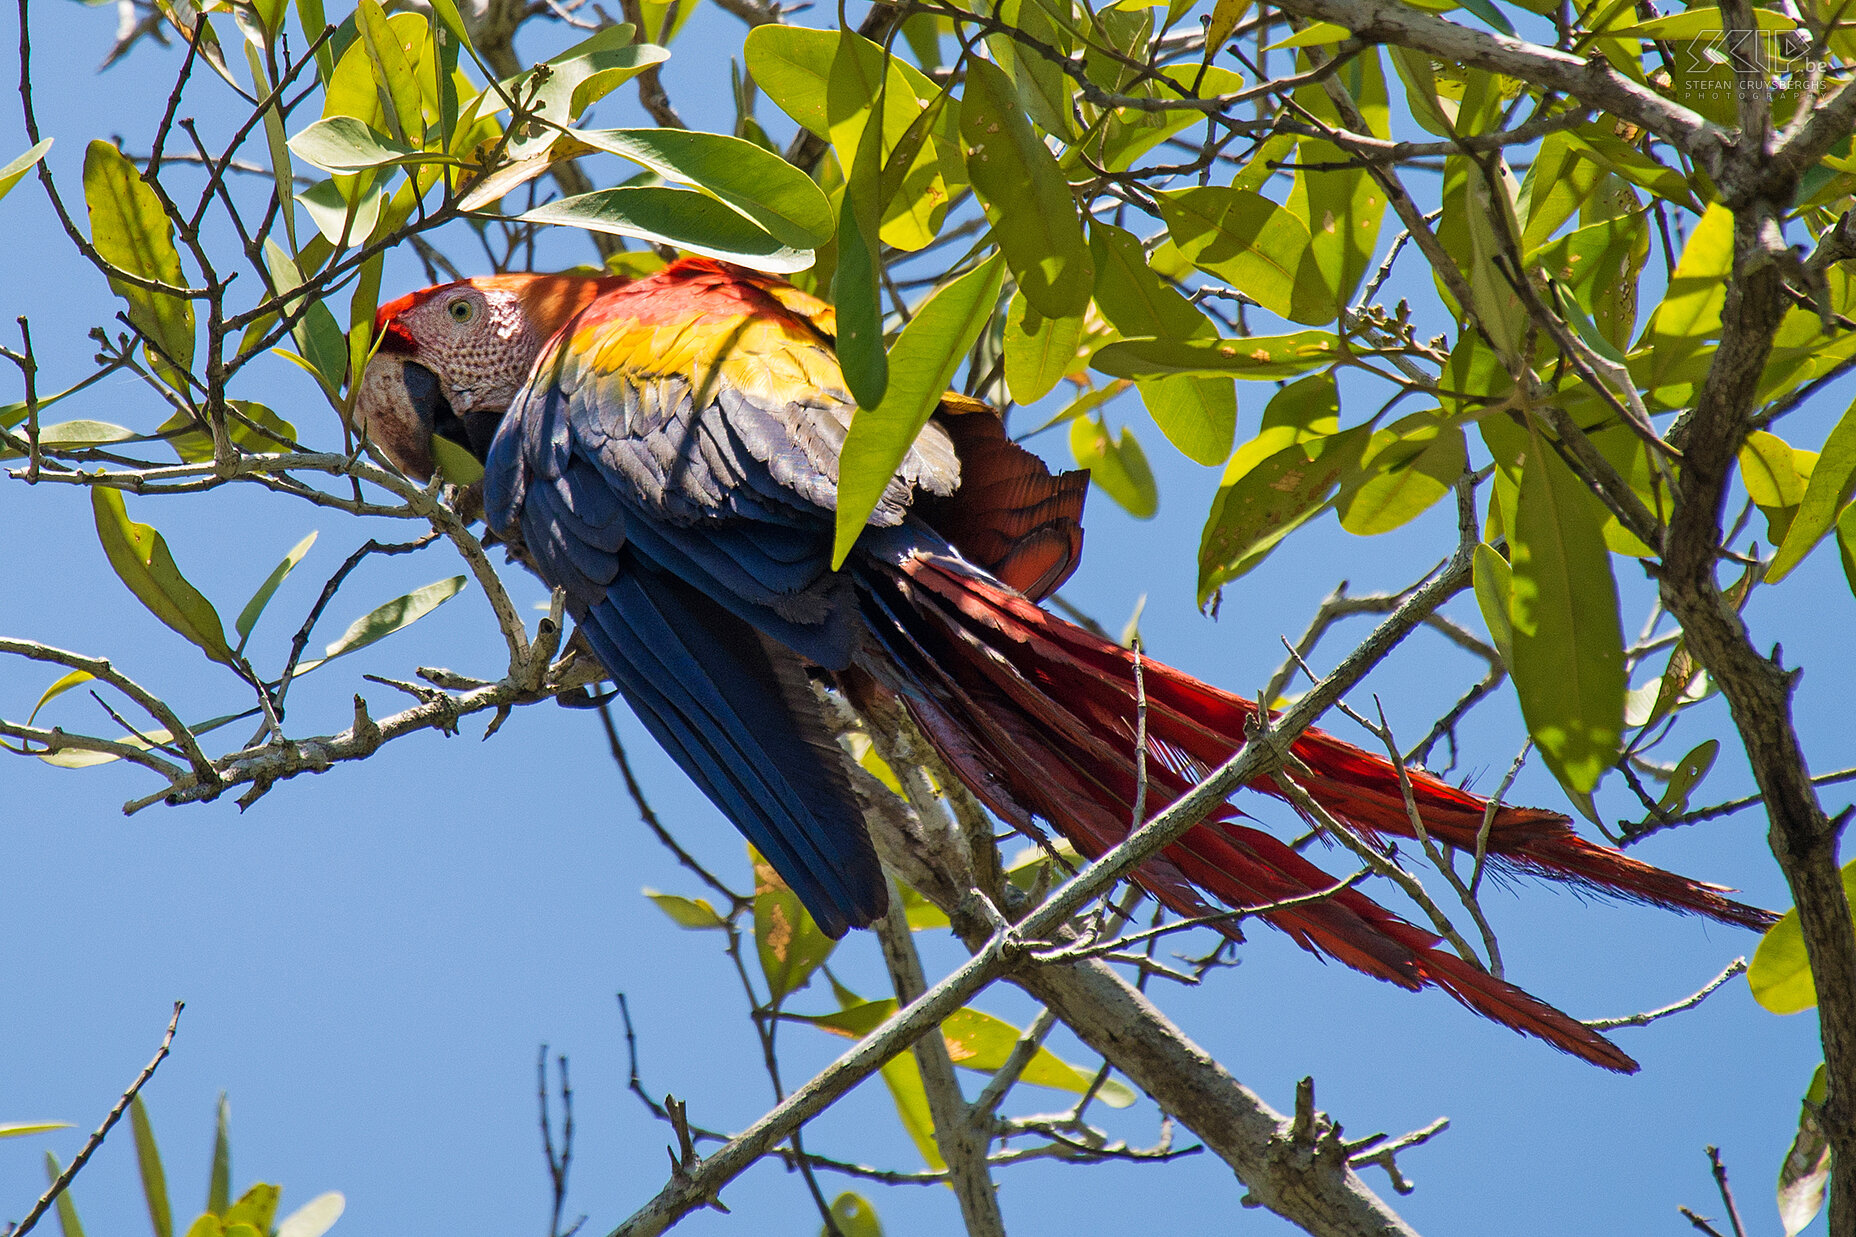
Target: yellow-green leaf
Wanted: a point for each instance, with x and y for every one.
(1039, 351)
(15, 169)
(148, 1163)
(694, 913)
(1116, 465)
(68, 1224)
(393, 72)
(853, 1216)
(141, 558)
(1828, 490)
(1568, 643)
(19, 1129)
(790, 943)
(921, 366)
(248, 617)
(1261, 501)
(383, 620)
(254, 1208)
(1494, 590)
(1033, 214)
(1250, 242)
(1410, 465)
(1253, 357)
(133, 234)
(1780, 976)
(1197, 412)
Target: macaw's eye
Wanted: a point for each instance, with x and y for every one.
(461, 311)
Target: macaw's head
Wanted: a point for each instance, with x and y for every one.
(452, 358)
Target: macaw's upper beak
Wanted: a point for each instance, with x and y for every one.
(399, 408)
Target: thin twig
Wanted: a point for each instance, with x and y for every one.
(96, 1139)
(1736, 967)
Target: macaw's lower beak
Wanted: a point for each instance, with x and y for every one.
(398, 409)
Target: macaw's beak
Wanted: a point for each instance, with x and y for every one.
(399, 408)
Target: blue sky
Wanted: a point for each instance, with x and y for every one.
(371, 957)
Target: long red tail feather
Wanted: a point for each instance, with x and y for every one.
(1039, 717)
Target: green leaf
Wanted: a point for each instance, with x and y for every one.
(1696, 23)
(248, 617)
(1601, 143)
(581, 76)
(1315, 34)
(219, 1179)
(685, 218)
(342, 220)
(1596, 267)
(1254, 357)
(1690, 312)
(921, 366)
(922, 914)
(1780, 976)
(1117, 466)
(1805, 1172)
(1263, 499)
(455, 463)
(68, 1225)
(853, 1216)
(1044, 92)
(1197, 413)
(1494, 593)
(19, 1129)
(313, 1218)
(383, 620)
(1557, 185)
(1688, 774)
(1846, 544)
(828, 82)
(1250, 242)
(1409, 466)
(976, 1041)
(856, 281)
(694, 913)
(903, 1077)
(1568, 645)
(393, 73)
(1341, 206)
(314, 21)
(1033, 214)
(75, 436)
(761, 185)
(790, 943)
(141, 559)
(148, 1162)
(194, 444)
(133, 234)
(1832, 481)
(318, 337)
(14, 171)
(1039, 351)
(345, 144)
(362, 304)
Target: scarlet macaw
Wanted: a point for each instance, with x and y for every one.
(665, 451)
